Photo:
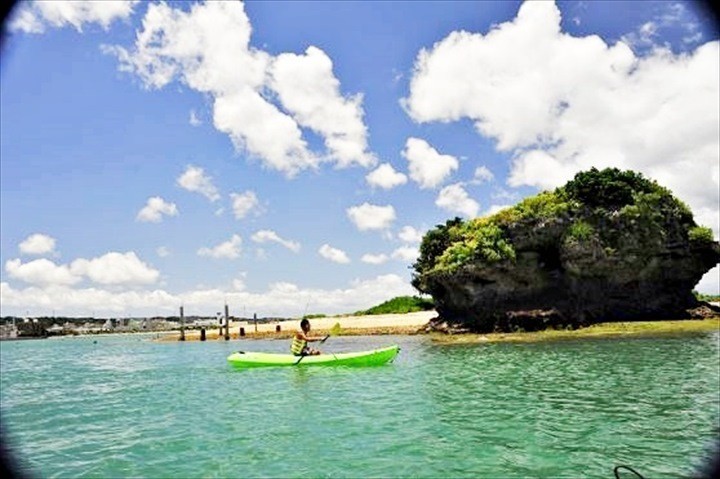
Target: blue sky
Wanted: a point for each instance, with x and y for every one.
(287, 156)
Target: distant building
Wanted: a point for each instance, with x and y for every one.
(8, 331)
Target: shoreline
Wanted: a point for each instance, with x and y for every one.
(380, 324)
(636, 329)
(414, 323)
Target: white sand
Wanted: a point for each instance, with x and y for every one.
(351, 322)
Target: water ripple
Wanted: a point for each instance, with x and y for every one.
(127, 407)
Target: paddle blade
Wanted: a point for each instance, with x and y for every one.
(335, 330)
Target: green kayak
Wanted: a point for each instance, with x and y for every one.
(376, 357)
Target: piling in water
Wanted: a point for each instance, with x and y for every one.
(182, 323)
(227, 323)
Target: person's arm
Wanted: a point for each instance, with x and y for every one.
(309, 339)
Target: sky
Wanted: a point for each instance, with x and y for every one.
(286, 158)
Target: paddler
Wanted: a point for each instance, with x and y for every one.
(299, 346)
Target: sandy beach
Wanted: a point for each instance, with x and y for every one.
(349, 325)
(412, 323)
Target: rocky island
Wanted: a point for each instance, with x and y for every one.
(609, 245)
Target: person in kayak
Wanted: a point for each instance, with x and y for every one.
(299, 346)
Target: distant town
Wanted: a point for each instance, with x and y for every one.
(13, 327)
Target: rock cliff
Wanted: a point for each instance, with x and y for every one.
(609, 245)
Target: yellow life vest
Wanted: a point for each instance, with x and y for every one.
(298, 345)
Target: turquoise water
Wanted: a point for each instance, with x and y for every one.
(118, 406)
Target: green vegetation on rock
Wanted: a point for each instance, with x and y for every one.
(700, 235)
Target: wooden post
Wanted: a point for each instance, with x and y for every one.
(242, 331)
(277, 328)
(182, 323)
(255, 318)
(227, 323)
(202, 334)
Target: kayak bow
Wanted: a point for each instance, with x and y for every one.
(376, 357)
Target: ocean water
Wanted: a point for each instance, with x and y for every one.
(119, 406)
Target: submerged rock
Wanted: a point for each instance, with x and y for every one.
(608, 246)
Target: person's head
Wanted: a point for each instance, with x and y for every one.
(305, 325)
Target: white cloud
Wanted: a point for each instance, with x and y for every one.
(264, 236)
(371, 217)
(333, 254)
(406, 253)
(483, 174)
(155, 208)
(455, 199)
(194, 179)
(374, 258)
(37, 243)
(208, 49)
(163, 251)
(110, 269)
(194, 120)
(307, 88)
(244, 203)
(41, 272)
(276, 300)
(409, 234)
(710, 282)
(385, 177)
(561, 104)
(427, 167)
(229, 249)
(115, 268)
(34, 17)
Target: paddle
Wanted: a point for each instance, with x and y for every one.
(334, 331)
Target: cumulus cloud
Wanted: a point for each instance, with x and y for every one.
(280, 299)
(483, 174)
(194, 179)
(115, 268)
(374, 258)
(208, 49)
(406, 253)
(264, 236)
(229, 249)
(560, 104)
(455, 199)
(36, 16)
(110, 269)
(409, 234)
(427, 167)
(333, 254)
(155, 208)
(163, 251)
(41, 272)
(37, 243)
(307, 88)
(710, 282)
(371, 217)
(244, 203)
(385, 177)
